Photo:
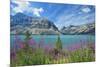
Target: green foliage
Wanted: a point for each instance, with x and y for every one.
(81, 55)
(28, 35)
(58, 43)
(36, 58)
(27, 48)
(39, 57)
(28, 56)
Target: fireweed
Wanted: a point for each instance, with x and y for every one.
(40, 53)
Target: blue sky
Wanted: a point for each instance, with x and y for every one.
(60, 14)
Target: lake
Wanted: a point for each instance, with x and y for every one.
(50, 40)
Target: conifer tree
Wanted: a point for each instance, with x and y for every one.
(58, 43)
(27, 38)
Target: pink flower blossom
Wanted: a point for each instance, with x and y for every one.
(31, 42)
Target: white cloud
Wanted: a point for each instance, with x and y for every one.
(86, 9)
(23, 5)
(37, 11)
(73, 19)
(63, 20)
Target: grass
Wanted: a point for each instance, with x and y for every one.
(27, 55)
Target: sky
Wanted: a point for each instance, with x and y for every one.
(60, 14)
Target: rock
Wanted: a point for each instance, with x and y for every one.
(21, 23)
(79, 29)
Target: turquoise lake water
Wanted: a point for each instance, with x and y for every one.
(67, 40)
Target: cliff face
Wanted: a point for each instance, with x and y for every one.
(21, 23)
(80, 29)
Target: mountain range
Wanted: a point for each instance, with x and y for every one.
(21, 23)
(79, 29)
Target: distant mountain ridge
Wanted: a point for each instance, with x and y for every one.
(21, 23)
(79, 29)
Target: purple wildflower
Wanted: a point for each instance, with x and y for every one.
(22, 45)
(74, 47)
(41, 42)
(13, 55)
(47, 48)
(31, 42)
(18, 43)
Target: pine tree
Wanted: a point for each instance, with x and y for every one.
(27, 38)
(59, 43)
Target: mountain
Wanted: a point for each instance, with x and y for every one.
(79, 29)
(21, 23)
